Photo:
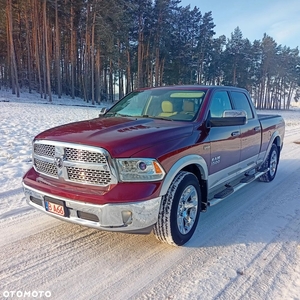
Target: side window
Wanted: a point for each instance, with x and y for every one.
(220, 102)
(240, 101)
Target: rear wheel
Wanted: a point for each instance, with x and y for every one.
(271, 164)
(179, 211)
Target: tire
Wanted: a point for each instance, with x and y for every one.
(271, 164)
(179, 210)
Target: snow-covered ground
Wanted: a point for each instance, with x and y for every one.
(247, 247)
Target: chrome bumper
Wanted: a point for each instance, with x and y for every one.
(131, 217)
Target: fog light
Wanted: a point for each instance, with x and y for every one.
(127, 217)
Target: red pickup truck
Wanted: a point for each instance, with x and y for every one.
(154, 160)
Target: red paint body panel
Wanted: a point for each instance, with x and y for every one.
(121, 137)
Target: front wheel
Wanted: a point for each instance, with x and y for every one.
(179, 211)
(271, 164)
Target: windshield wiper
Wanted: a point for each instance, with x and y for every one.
(116, 114)
(162, 118)
(157, 117)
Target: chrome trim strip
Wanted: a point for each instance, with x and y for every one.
(260, 158)
(144, 213)
(90, 166)
(44, 158)
(222, 177)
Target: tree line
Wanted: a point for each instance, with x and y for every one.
(95, 49)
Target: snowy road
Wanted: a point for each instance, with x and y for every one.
(247, 247)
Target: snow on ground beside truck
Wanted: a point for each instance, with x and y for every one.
(246, 247)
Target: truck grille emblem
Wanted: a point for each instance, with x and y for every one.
(59, 162)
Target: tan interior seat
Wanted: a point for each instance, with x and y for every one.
(167, 109)
(188, 107)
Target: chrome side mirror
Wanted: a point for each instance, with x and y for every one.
(229, 118)
(103, 110)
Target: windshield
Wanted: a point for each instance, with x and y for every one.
(179, 105)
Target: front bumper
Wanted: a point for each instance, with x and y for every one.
(131, 217)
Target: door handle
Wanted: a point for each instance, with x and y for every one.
(257, 128)
(235, 133)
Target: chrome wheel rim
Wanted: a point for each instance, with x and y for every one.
(273, 163)
(187, 209)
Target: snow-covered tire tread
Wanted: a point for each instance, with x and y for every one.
(163, 228)
(269, 176)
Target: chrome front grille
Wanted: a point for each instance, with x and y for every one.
(44, 150)
(73, 154)
(73, 163)
(45, 167)
(97, 177)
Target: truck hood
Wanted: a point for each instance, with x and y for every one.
(121, 136)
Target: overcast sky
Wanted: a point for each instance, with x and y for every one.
(280, 19)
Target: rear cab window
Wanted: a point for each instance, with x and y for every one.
(240, 102)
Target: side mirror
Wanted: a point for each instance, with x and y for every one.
(229, 118)
(103, 110)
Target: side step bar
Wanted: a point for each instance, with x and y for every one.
(230, 190)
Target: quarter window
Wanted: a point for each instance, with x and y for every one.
(240, 101)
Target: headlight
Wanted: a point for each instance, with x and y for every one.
(139, 169)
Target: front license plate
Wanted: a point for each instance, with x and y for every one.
(55, 208)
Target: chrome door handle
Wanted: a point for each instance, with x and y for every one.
(257, 128)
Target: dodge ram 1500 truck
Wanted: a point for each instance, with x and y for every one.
(154, 160)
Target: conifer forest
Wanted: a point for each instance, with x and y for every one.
(96, 49)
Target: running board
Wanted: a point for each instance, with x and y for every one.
(231, 190)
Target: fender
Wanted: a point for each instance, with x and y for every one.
(179, 165)
(274, 136)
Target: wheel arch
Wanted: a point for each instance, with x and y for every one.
(194, 164)
(275, 139)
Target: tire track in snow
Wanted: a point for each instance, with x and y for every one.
(10, 193)
(15, 212)
(8, 203)
(68, 250)
(274, 263)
